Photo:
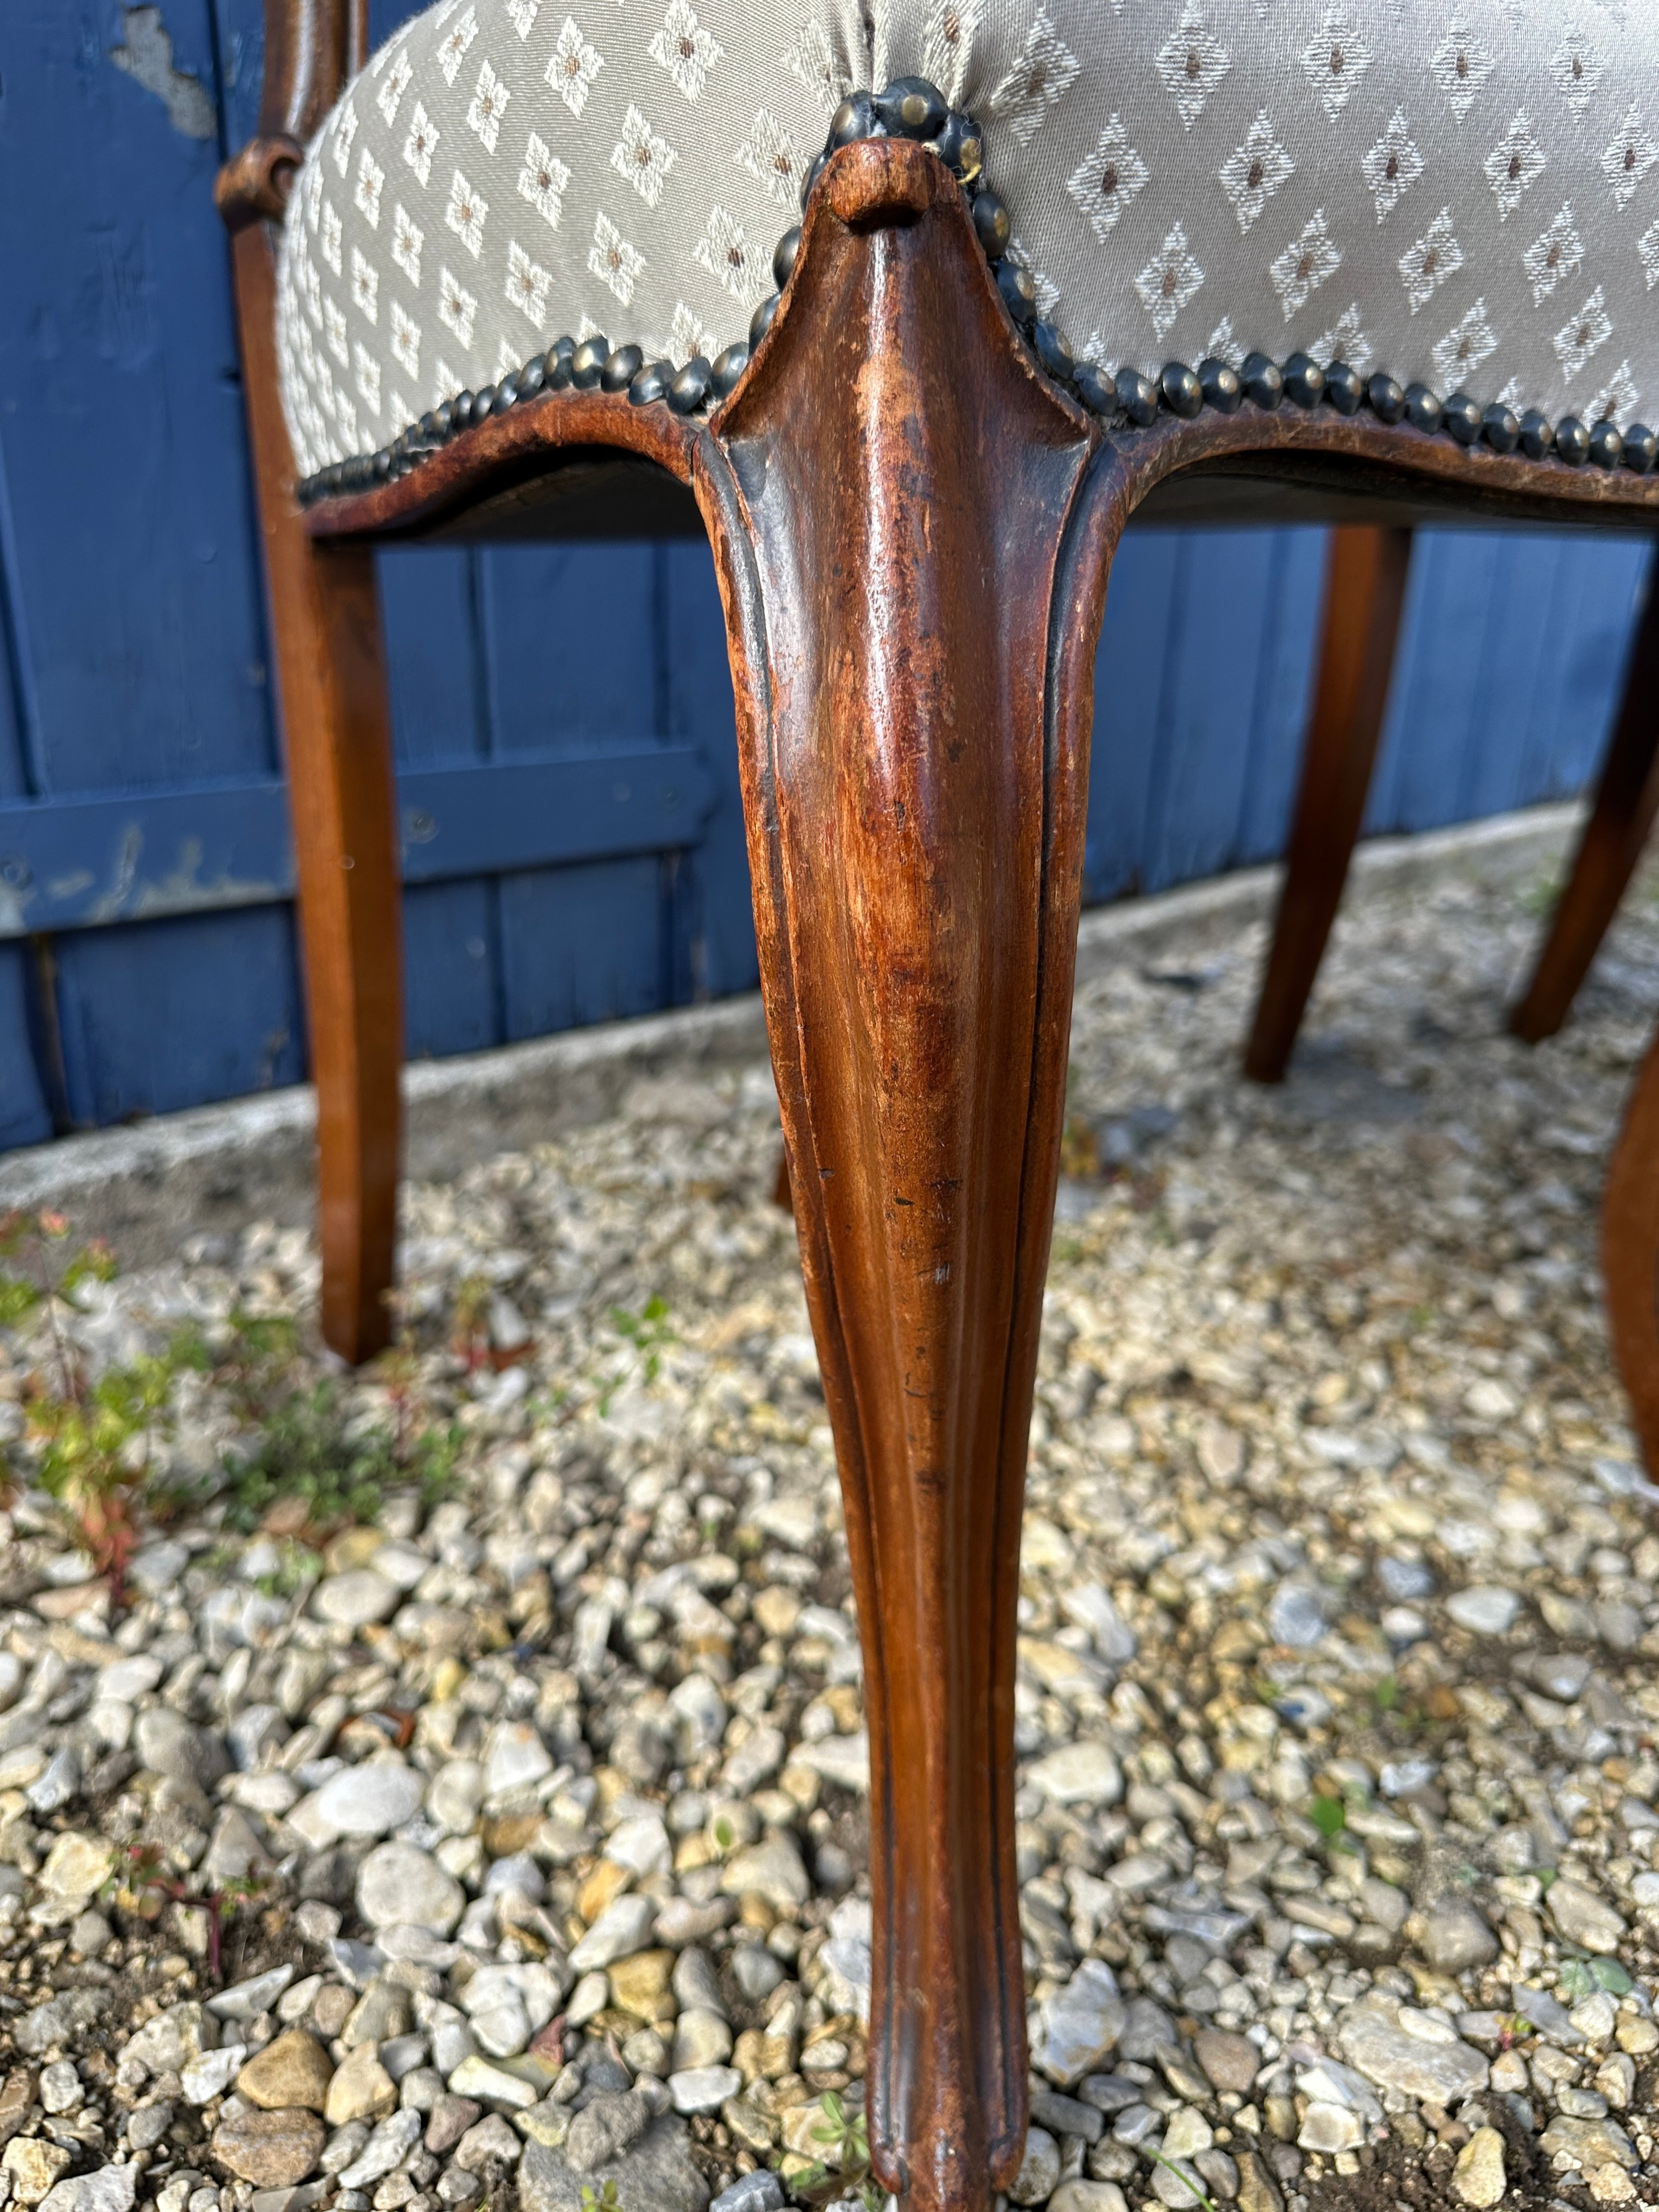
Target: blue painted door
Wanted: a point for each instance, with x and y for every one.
(568, 793)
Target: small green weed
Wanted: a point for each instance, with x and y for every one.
(601, 2196)
(146, 1883)
(1186, 2181)
(848, 2136)
(644, 1333)
(94, 1441)
(1330, 1816)
(310, 1451)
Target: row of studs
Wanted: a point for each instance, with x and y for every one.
(911, 107)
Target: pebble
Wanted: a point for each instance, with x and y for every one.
(760, 2192)
(703, 2088)
(360, 2088)
(1078, 2026)
(619, 1931)
(271, 2149)
(166, 1744)
(1439, 2072)
(106, 2189)
(359, 1599)
(1230, 2061)
(1484, 1609)
(1456, 1936)
(292, 2070)
(1583, 1916)
(389, 2144)
(481, 2078)
(369, 1800)
(211, 2074)
(1078, 1774)
(773, 1870)
(400, 1883)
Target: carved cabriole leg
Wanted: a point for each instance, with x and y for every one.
(1626, 800)
(912, 549)
(337, 735)
(1364, 592)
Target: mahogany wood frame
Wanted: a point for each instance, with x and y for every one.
(912, 530)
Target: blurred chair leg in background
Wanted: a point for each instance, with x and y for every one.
(1626, 799)
(1364, 594)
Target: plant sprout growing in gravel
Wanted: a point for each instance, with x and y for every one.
(145, 1885)
(646, 1332)
(95, 1441)
(848, 2134)
(600, 2197)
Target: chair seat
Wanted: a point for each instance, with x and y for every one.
(1466, 196)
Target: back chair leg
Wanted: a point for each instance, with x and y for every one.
(1365, 594)
(324, 619)
(1626, 800)
(1630, 1257)
(911, 586)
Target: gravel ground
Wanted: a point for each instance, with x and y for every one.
(541, 1808)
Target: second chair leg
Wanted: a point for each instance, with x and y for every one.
(1630, 1257)
(337, 734)
(1626, 800)
(1365, 594)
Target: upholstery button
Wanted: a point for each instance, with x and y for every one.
(1220, 387)
(1262, 380)
(587, 361)
(1053, 352)
(690, 388)
(1423, 409)
(1500, 429)
(728, 368)
(1183, 393)
(621, 368)
(991, 222)
(1137, 396)
(1304, 379)
(911, 107)
(1343, 389)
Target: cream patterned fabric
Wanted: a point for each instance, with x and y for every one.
(1464, 192)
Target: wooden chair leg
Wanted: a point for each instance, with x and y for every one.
(1364, 594)
(1630, 1257)
(892, 537)
(324, 620)
(1626, 800)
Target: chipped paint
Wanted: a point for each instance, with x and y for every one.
(147, 57)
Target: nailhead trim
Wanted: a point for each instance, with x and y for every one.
(911, 107)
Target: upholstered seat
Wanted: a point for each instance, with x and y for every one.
(1466, 196)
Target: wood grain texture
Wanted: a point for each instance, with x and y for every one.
(324, 620)
(1364, 594)
(898, 503)
(1621, 819)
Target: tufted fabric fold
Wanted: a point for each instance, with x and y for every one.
(1463, 192)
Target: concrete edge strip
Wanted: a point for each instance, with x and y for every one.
(598, 1061)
